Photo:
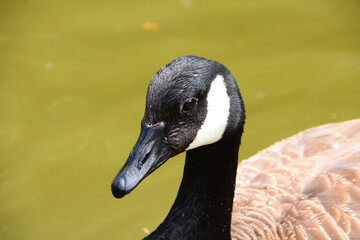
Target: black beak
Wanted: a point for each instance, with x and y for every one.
(149, 153)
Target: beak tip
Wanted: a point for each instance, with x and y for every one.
(118, 187)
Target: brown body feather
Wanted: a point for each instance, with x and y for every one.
(304, 187)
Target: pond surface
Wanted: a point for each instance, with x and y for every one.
(73, 78)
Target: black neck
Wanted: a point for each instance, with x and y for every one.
(202, 209)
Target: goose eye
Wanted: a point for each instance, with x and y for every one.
(189, 105)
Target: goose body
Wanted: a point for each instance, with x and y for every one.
(304, 187)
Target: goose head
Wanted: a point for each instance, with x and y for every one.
(191, 102)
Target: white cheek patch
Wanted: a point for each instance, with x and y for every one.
(218, 106)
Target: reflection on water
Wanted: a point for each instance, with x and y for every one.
(73, 79)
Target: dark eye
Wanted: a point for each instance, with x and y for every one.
(189, 105)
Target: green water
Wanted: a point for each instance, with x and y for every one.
(73, 78)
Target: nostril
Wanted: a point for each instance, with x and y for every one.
(143, 161)
(118, 187)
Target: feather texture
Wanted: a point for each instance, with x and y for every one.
(304, 187)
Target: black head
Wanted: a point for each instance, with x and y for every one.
(190, 102)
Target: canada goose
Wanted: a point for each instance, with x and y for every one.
(304, 187)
